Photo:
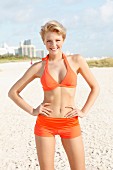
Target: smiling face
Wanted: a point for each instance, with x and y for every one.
(53, 42)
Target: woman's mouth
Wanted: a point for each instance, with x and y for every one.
(53, 49)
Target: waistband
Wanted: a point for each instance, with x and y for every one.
(57, 122)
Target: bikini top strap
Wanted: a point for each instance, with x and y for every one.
(66, 61)
(45, 58)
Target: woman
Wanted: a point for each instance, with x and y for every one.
(57, 114)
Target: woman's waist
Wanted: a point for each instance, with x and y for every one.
(57, 122)
(60, 110)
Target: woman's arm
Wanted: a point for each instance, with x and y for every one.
(29, 76)
(84, 70)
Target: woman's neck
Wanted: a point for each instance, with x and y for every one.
(55, 57)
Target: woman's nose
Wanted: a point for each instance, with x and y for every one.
(53, 43)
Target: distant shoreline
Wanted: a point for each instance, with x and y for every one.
(99, 62)
(102, 62)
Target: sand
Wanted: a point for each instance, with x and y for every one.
(17, 144)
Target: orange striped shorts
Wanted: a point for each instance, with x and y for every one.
(49, 127)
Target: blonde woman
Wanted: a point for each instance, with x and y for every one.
(57, 114)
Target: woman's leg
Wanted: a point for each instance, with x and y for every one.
(45, 152)
(75, 152)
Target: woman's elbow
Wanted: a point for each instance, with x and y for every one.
(11, 94)
(96, 88)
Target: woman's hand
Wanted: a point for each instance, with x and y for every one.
(42, 109)
(74, 112)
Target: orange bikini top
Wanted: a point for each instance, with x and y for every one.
(48, 82)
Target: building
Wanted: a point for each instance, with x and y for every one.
(27, 49)
(7, 50)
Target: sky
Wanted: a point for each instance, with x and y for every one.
(89, 24)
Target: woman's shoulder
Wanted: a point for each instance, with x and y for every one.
(75, 57)
(38, 63)
(35, 67)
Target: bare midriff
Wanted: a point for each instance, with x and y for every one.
(59, 98)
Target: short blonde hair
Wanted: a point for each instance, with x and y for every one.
(53, 26)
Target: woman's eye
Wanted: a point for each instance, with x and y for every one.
(48, 41)
(51, 41)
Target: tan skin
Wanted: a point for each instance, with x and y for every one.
(58, 102)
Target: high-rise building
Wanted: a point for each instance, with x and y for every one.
(27, 49)
(27, 42)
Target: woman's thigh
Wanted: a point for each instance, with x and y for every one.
(45, 152)
(75, 152)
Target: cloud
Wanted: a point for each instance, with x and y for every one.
(72, 1)
(89, 16)
(16, 11)
(70, 22)
(97, 18)
(106, 11)
(23, 15)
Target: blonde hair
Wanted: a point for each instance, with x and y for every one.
(53, 26)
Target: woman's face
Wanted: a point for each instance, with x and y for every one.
(53, 42)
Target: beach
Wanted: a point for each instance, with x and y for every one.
(17, 142)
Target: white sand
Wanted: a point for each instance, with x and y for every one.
(17, 144)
